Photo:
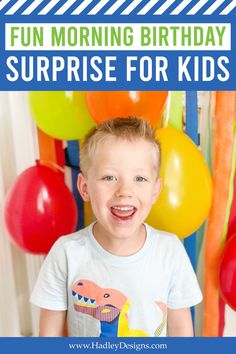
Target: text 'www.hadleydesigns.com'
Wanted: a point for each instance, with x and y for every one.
(117, 346)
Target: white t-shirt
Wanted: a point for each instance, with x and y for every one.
(108, 295)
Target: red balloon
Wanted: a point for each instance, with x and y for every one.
(232, 216)
(227, 273)
(39, 208)
(104, 105)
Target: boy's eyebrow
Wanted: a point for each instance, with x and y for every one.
(113, 169)
(106, 167)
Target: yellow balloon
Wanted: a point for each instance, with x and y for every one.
(186, 194)
(61, 114)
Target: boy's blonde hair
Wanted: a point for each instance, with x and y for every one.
(126, 128)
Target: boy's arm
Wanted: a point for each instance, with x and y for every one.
(179, 323)
(52, 323)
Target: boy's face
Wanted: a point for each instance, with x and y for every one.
(121, 184)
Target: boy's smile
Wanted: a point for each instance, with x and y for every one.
(123, 212)
(121, 184)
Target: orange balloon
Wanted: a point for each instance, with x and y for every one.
(104, 105)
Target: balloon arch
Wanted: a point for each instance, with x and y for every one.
(197, 201)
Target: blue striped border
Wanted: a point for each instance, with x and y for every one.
(117, 7)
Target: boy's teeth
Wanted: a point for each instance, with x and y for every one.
(123, 211)
(123, 208)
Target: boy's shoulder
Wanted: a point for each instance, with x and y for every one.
(163, 237)
(77, 238)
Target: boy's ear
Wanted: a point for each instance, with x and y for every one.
(157, 190)
(83, 187)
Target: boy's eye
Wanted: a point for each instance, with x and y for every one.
(140, 179)
(109, 178)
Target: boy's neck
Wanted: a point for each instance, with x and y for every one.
(120, 246)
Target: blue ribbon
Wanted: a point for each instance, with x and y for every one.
(192, 132)
(73, 162)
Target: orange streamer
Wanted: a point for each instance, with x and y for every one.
(224, 134)
(51, 152)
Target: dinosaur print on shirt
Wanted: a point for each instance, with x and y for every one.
(110, 307)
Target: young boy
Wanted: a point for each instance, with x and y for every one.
(118, 277)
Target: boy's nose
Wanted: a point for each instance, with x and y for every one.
(124, 190)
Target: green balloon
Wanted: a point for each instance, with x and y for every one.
(61, 114)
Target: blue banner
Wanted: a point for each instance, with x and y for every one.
(130, 345)
(117, 45)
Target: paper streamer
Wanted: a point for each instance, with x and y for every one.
(205, 145)
(51, 152)
(221, 317)
(192, 132)
(88, 214)
(73, 162)
(230, 222)
(221, 178)
(228, 218)
(174, 110)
